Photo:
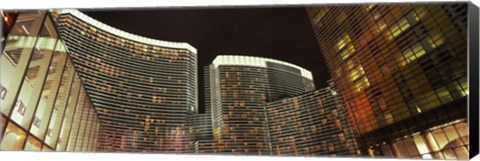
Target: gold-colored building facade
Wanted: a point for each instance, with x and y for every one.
(401, 70)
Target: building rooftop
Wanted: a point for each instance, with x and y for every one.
(256, 62)
(115, 31)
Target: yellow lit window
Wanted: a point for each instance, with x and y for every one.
(356, 73)
(341, 44)
(388, 117)
(397, 29)
(418, 17)
(411, 55)
(347, 52)
(362, 84)
(376, 16)
(369, 7)
(404, 25)
(382, 25)
(436, 40)
(418, 49)
(408, 56)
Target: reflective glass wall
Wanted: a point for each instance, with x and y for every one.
(313, 123)
(400, 68)
(44, 105)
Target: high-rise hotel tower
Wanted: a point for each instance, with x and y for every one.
(141, 88)
(71, 83)
(310, 124)
(240, 87)
(401, 70)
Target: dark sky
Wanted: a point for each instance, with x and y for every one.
(279, 33)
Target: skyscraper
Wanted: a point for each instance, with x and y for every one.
(142, 88)
(401, 71)
(44, 104)
(310, 124)
(240, 87)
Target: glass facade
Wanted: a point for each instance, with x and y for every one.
(400, 70)
(142, 89)
(44, 104)
(239, 88)
(311, 124)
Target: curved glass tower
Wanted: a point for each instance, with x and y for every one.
(240, 87)
(141, 88)
(310, 124)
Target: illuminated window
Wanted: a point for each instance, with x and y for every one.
(369, 7)
(362, 83)
(356, 73)
(398, 28)
(411, 54)
(436, 39)
(345, 46)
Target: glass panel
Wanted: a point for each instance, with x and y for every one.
(440, 138)
(77, 122)
(33, 82)
(16, 56)
(69, 115)
(412, 149)
(60, 105)
(88, 127)
(449, 154)
(422, 147)
(462, 153)
(400, 149)
(13, 138)
(49, 92)
(462, 129)
(83, 122)
(33, 144)
(387, 152)
(451, 134)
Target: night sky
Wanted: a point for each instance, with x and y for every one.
(279, 33)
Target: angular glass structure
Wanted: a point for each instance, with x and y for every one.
(44, 104)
